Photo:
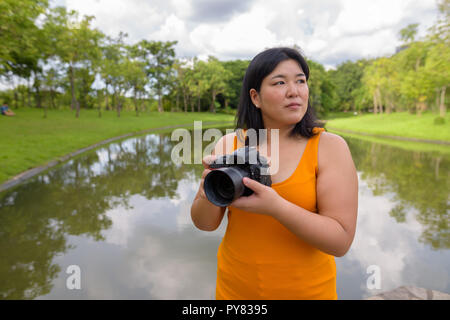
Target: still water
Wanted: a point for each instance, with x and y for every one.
(121, 214)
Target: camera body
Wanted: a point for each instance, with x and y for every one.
(224, 184)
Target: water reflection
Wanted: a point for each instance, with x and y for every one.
(122, 214)
(414, 180)
(402, 221)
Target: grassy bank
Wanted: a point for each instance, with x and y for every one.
(29, 140)
(401, 124)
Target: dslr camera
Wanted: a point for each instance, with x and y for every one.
(224, 183)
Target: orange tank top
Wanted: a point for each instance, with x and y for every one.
(259, 258)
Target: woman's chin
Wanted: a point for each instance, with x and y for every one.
(295, 118)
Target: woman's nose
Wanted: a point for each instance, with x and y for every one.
(292, 90)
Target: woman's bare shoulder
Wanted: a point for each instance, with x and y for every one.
(331, 139)
(332, 147)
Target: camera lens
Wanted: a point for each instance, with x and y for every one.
(223, 185)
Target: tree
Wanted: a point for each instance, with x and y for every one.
(214, 77)
(18, 33)
(321, 89)
(75, 43)
(158, 58)
(372, 79)
(415, 86)
(347, 83)
(135, 79)
(113, 69)
(408, 34)
(236, 70)
(184, 72)
(437, 64)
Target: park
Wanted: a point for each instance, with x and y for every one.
(89, 177)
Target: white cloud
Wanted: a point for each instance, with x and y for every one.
(328, 31)
(243, 35)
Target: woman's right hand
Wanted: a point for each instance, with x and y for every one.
(204, 214)
(206, 161)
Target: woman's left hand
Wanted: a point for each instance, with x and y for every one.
(264, 200)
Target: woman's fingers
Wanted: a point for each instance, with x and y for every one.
(206, 161)
(205, 172)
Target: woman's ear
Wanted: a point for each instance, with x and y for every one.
(254, 95)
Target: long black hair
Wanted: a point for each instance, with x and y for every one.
(250, 117)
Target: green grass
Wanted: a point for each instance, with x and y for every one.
(401, 124)
(29, 140)
(405, 145)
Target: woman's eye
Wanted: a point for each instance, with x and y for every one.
(301, 81)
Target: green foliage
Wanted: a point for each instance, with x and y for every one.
(19, 35)
(439, 121)
(349, 92)
(321, 89)
(61, 57)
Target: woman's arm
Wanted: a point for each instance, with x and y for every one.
(205, 215)
(332, 228)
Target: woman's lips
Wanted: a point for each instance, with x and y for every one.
(293, 106)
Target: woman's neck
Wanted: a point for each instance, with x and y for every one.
(284, 133)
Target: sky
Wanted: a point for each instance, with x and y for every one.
(327, 31)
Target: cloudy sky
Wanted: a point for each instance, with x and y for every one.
(328, 31)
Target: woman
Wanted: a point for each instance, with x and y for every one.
(281, 241)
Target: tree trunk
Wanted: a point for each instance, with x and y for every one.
(52, 97)
(142, 105)
(23, 97)
(78, 110)
(106, 98)
(118, 103)
(375, 103)
(38, 95)
(212, 108)
(160, 107)
(198, 104)
(380, 104)
(442, 108)
(185, 100)
(16, 98)
(135, 103)
(420, 107)
(438, 94)
(390, 106)
(99, 104)
(29, 92)
(72, 89)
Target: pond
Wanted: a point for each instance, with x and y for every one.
(121, 215)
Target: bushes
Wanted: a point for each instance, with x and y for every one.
(439, 121)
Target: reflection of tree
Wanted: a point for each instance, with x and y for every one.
(37, 217)
(419, 180)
